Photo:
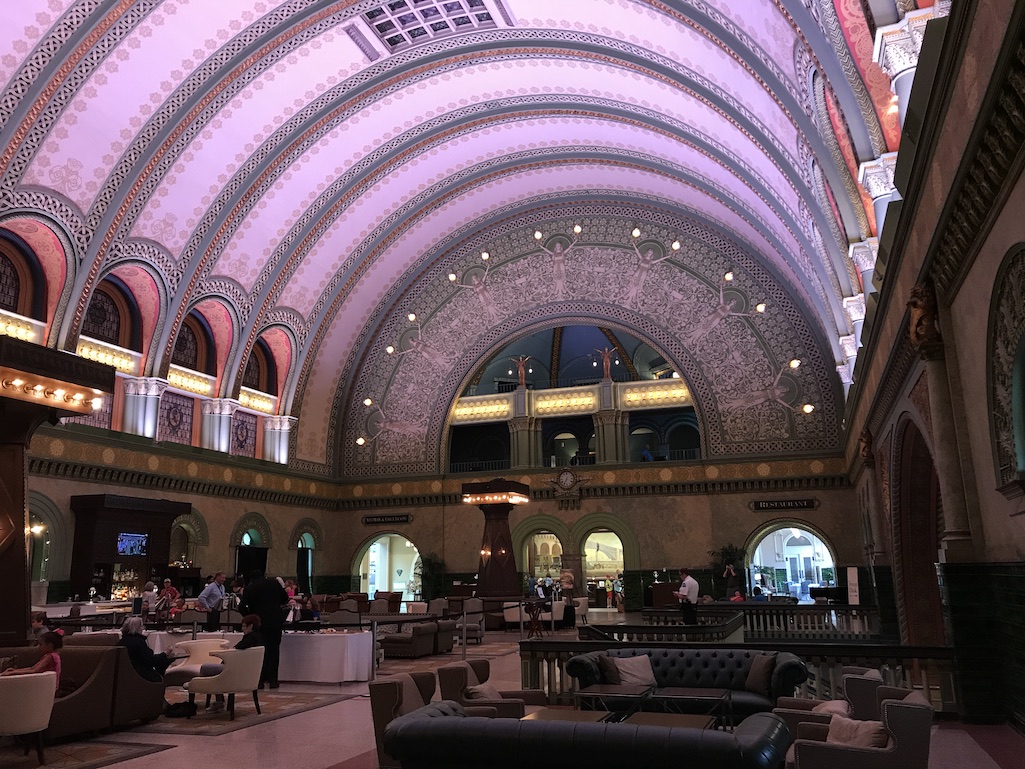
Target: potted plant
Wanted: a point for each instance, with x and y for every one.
(430, 570)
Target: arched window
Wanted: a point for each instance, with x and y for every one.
(10, 284)
(260, 373)
(186, 349)
(194, 347)
(22, 281)
(103, 319)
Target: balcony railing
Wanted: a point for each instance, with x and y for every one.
(479, 466)
(930, 670)
(681, 455)
(730, 631)
(770, 621)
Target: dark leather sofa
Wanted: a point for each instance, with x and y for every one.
(441, 736)
(702, 668)
(418, 641)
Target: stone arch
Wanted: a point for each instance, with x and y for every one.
(764, 529)
(534, 524)
(195, 525)
(917, 525)
(370, 539)
(306, 526)
(252, 521)
(149, 289)
(615, 524)
(61, 535)
(1006, 374)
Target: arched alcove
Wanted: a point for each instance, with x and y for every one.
(387, 561)
(57, 531)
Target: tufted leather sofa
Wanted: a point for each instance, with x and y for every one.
(703, 668)
(441, 736)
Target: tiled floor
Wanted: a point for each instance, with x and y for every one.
(341, 735)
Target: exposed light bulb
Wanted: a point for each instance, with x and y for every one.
(17, 382)
(510, 372)
(676, 245)
(676, 375)
(389, 349)
(795, 363)
(485, 255)
(360, 441)
(368, 402)
(728, 276)
(617, 361)
(538, 235)
(760, 307)
(636, 232)
(577, 229)
(411, 316)
(594, 363)
(452, 277)
(807, 408)
(530, 371)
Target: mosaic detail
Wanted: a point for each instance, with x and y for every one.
(243, 434)
(174, 422)
(1006, 327)
(186, 349)
(102, 320)
(722, 346)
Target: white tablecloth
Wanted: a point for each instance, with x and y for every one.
(326, 657)
(162, 641)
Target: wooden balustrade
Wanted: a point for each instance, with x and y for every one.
(728, 630)
(927, 669)
(768, 621)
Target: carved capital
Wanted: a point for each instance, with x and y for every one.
(896, 49)
(609, 417)
(279, 423)
(854, 306)
(843, 370)
(146, 386)
(876, 176)
(220, 406)
(522, 424)
(864, 254)
(849, 344)
(923, 326)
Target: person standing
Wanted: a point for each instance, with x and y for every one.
(266, 598)
(210, 601)
(688, 595)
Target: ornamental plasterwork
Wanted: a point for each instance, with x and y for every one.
(1006, 327)
(734, 359)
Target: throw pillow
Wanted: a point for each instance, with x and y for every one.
(858, 734)
(635, 670)
(759, 677)
(608, 671)
(6, 662)
(484, 691)
(835, 707)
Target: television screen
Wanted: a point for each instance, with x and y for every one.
(131, 544)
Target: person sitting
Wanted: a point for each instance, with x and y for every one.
(169, 592)
(39, 628)
(646, 455)
(50, 644)
(737, 596)
(756, 595)
(147, 664)
(250, 637)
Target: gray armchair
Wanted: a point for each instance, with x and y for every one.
(859, 688)
(906, 716)
(455, 678)
(438, 607)
(474, 619)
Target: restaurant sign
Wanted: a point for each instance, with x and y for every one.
(763, 505)
(386, 520)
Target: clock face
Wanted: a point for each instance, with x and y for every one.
(566, 479)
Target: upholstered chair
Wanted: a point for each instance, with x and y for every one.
(190, 656)
(241, 673)
(457, 678)
(473, 609)
(26, 702)
(858, 701)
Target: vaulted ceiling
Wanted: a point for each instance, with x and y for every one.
(313, 172)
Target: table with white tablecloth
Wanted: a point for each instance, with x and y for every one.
(326, 657)
(162, 641)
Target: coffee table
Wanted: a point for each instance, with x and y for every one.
(671, 719)
(598, 696)
(567, 714)
(715, 702)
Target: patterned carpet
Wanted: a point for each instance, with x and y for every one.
(274, 705)
(86, 754)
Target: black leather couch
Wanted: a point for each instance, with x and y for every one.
(703, 668)
(440, 736)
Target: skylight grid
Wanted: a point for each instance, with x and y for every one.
(400, 23)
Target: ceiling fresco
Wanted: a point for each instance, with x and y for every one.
(301, 172)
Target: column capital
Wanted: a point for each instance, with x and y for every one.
(876, 176)
(522, 424)
(279, 423)
(843, 370)
(610, 417)
(147, 386)
(864, 254)
(896, 49)
(219, 406)
(849, 345)
(854, 306)
(923, 327)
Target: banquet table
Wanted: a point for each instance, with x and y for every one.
(162, 641)
(326, 657)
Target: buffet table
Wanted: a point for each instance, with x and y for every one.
(326, 657)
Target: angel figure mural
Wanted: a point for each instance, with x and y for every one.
(420, 345)
(559, 255)
(480, 288)
(378, 424)
(723, 310)
(774, 393)
(645, 262)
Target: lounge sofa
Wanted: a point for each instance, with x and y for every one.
(417, 640)
(693, 667)
(441, 736)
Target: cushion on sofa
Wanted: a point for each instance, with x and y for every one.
(635, 670)
(858, 734)
(609, 671)
(759, 676)
(835, 707)
(6, 662)
(484, 691)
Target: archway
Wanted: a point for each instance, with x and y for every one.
(916, 540)
(389, 562)
(788, 557)
(305, 539)
(604, 561)
(51, 545)
(251, 539)
(542, 555)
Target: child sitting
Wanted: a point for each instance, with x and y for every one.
(50, 644)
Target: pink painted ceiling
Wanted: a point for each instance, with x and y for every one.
(280, 166)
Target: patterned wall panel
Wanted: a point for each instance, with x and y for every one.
(243, 434)
(175, 421)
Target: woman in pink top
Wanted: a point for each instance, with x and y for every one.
(50, 645)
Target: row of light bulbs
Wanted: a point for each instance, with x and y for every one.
(189, 382)
(58, 394)
(256, 402)
(108, 356)
(17, 329)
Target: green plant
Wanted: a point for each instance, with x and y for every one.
(431, 571)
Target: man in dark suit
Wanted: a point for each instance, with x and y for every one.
(266, 598)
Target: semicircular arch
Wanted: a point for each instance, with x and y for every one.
(61, 536)
(766, 528)
(306, 526)
(535, 524)
(195, 524)
(369, 540)
(252, 522)
(608, 522)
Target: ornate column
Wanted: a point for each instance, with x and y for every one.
(876, 550)
(215, 432)
(864, 254)
(956, 539)
(611, 437)
(876, 176)
(276, 431)
(849, 344)
(854, 306)
(524, 442)
(496, 571)
(897, 49)
(142, 405)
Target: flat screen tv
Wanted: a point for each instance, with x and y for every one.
(131, 544)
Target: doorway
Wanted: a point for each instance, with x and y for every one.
(389, 564)
(250, 555)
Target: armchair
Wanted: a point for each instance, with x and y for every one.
(25, 705)
(438, 607)
(514, 615)
(241, 673)
(197, 654)
(581, 608)
(419, 640)
(557, 613)
(907, 719)
(454, 680)
(474, 619)
(379, 606)
(859, 687)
